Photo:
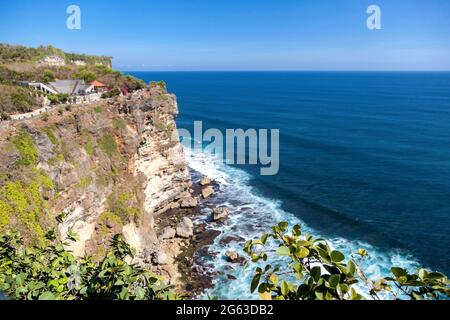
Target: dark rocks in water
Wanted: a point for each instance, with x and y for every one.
(231, 277)
(232, 256)
(230, 239)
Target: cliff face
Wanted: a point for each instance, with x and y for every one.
(94, 171)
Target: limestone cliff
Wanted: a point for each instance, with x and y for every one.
(93, 171)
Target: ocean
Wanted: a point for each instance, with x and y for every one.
(364, 161)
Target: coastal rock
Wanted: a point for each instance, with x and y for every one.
(220, 214)
(185, 229)
(167, 233)
(205, 181)
(188, 203)
(232, 256)
(207, 192)
(160, 258)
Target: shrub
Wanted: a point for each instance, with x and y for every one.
(25, 145)
(108, 145)
(51, 136)
(324, 274)
(58, 98)
(4, 116)
(89, 146)
(112, 93)
(160, 84)
(120, 124)
(21, 101)
(48, 272)
(121, 205)
(45, 116)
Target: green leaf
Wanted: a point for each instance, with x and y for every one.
(301, 252)
(399, 272)
(351, 268)
(296, 230)
(316, 273)
(283, 251)
(284, 288)
(435, 276)
(47, 296)
(337, 256)
(334, 280)
(255, 282)
(140, 293)
(283, 226)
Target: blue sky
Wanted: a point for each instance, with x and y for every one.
(240, 34)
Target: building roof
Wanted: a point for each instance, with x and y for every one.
(97, 84)
(70, 87)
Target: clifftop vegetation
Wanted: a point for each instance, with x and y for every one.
(46, 64)
(22, 54)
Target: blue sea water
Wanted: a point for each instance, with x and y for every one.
(364, 158)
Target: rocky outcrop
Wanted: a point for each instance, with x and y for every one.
(188, 202)
(185, 229)
(220, 213)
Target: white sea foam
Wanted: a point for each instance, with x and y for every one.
(250, 216)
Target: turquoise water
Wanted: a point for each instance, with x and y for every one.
(364, 157)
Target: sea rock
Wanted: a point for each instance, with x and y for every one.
(205, 181)
(188, 202)
(220, 213)
(167, 233)
(207, 192)
(185, 229)
(232, 256)
(160, 258)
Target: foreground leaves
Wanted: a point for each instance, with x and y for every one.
(48, 272)
(312, 270)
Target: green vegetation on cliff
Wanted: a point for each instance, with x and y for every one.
(25, 146)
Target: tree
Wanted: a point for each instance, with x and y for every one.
(49, 272)
(312, 270)
(48, 76)
(86, 75)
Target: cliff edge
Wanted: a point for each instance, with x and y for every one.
(95, 170)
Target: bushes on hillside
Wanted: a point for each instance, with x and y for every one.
(86, 75)
(14, 99)
(58, 98)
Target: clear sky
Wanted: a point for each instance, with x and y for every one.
(240, 34)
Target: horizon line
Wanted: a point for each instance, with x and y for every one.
(274, 70)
